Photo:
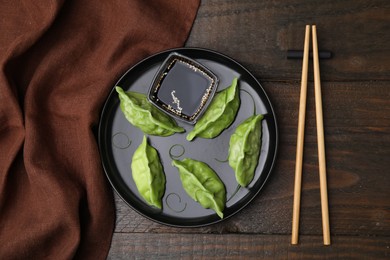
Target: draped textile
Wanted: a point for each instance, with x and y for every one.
(59, 60)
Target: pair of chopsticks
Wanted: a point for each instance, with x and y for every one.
(320, 140)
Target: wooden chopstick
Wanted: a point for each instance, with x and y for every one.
(300, 139)
(320, 141)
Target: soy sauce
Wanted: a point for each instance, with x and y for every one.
(183, 88)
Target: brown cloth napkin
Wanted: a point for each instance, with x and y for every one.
(59, 60)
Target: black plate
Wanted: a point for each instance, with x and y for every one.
(118, 140)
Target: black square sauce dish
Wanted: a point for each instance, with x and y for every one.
(183, 88)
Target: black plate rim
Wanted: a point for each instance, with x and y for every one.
(167, 52)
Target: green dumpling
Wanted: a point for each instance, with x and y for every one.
(148, 174)
(219, 115)
(244, 149)
(202, 184)
(142, 114)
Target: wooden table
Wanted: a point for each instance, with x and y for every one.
(356, 105)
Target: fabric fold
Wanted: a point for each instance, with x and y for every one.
(59, 60)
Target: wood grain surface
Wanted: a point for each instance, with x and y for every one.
(356, 107)
(242, 246)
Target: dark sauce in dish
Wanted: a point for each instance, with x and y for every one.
(183, 88)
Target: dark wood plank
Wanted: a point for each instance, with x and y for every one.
(357, 127)
(258, 34)
(235, 246)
